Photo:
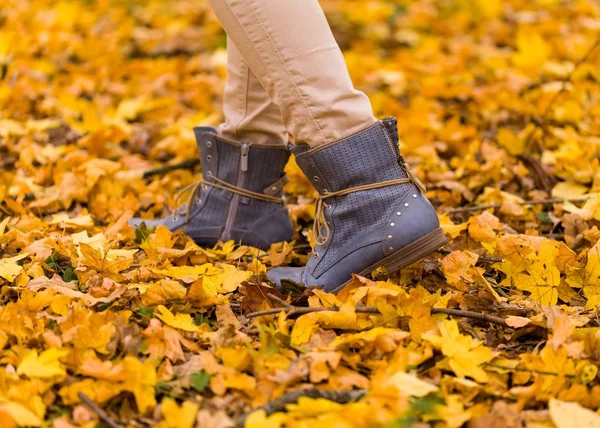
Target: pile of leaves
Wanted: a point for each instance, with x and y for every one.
(499, 113)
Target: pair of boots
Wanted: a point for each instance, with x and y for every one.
(371, 211)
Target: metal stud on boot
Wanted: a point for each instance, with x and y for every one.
(239, 196)
(371, 210)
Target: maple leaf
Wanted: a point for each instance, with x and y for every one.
(44, 365)
(9, 268)
(345, 318)
(176, 416)
(464, 354)
(19, 414)
(179, 321)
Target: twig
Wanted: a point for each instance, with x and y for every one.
(104, 417)
(488, 259)
(471, 315)
(279, 404)
(297, 310)
(541, 201)
(278, 300)
(186, 164)
(526, 370)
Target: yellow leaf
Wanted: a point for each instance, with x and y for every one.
(307, 407)
(308, 323)
(176, 416)
(181, 321)
(63, 220)
(411, 385)
(465, 355)
(509, 140)
(569, 415)
(141, 378)
(9, 269)
(568, 190)
(44, 365)
(259, 419)
(188, 273)
(21, 414)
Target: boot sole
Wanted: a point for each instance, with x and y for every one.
(413, 252)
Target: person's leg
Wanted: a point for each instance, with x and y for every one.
(371, 210)
(289, 47)
(240, 194)
(249, 114)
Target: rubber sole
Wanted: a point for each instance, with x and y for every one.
(413, 252)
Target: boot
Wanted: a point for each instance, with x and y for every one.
(371, 210)
(239, 196)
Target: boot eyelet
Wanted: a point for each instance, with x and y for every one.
(316, 254)
(406, 204)
(390, 236)
(391, 249)
(209, 173)
(328, 207)
(414, 195)
(315, 178)
(398, 213)
(208, 158)
(392, 224)
(208, 144)
(198, 201)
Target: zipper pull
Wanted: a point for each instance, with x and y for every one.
(244, 159)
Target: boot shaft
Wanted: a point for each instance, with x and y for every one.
(369, 156)
(242, 164)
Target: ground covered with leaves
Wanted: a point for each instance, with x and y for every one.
(499, 113)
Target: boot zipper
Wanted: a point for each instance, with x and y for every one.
(235, 199)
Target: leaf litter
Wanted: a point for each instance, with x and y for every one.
(499, 112)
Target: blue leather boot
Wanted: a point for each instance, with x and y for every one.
(239, 196)
(371, 210)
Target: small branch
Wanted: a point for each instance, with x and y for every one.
(471, 315)
(297, 310)
(279, 404)
(541, 201)
(186, 164)
(104, 417)
(278, 300)
(488, 259)
(526, 370)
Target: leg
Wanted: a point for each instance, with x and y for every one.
(249, 113)
(371, 211)
(289, 47)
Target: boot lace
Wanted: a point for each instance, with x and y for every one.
(183, 207)
(321, 227)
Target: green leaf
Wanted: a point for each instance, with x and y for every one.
(200, 380)
(51, 260)
(199, 320)
(142, 232)
(145, 312)
(69, 275)
(544, 217)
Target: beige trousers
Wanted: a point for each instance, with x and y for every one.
(286, 73)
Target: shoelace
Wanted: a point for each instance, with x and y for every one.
(321, 228)
(184, 208)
